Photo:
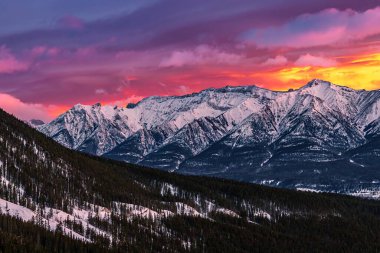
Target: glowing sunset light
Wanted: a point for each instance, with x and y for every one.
(117, 52)
(360, 73)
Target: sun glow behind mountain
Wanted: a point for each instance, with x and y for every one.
(358, 72)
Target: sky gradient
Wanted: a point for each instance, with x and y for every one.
(54, 54)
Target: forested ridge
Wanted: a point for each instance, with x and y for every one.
(64, 199)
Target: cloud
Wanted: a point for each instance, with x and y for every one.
(43, 50)
(323, 28)
(202, 54)
(100, 91)
(23, 110)
(9, 63)
(123, 102)
(70, 21)
(38, 50)
(278, 60)
(311, 60)
(183, 89)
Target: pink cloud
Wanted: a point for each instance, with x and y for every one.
(278, 60)
(23, 110)
(9, 63)
(327, 27)
(100, 91)
(311, 60)
(54, 51)
(202, 54)
(124, 102)
(38, 50)
(315, 38)
(43, 50)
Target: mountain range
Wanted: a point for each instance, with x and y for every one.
(53, 199)
(321, 136)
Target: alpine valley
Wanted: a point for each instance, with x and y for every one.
(321, 137)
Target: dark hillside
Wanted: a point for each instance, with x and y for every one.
(121, 207)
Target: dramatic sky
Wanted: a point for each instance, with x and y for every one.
(55, 53)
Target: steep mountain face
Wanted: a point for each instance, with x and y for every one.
(91, 129)
(297, 138)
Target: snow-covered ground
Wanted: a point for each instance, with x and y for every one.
(50, 223)
(51, 218)
(367, 193)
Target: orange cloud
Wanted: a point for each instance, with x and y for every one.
(359, 72)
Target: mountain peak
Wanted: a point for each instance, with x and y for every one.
(35, 122)
(78, 107)
(324, 89)
(323, 84)
(317, 82)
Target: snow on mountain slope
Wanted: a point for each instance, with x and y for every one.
(52, 222)
(93, 129)
(54, 219)
(227, 130)
(97, 129)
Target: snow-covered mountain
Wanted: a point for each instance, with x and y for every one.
(291, 138)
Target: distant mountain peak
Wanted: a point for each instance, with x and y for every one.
(78, 107)
(314, 83)
(323, 84)
(36, 122)
(317, 81)
(310, 124)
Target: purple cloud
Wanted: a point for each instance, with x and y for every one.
(323, 28)
(72, 22)
(202, 54)
(9, 63)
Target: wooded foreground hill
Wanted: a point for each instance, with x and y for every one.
(53, 199)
